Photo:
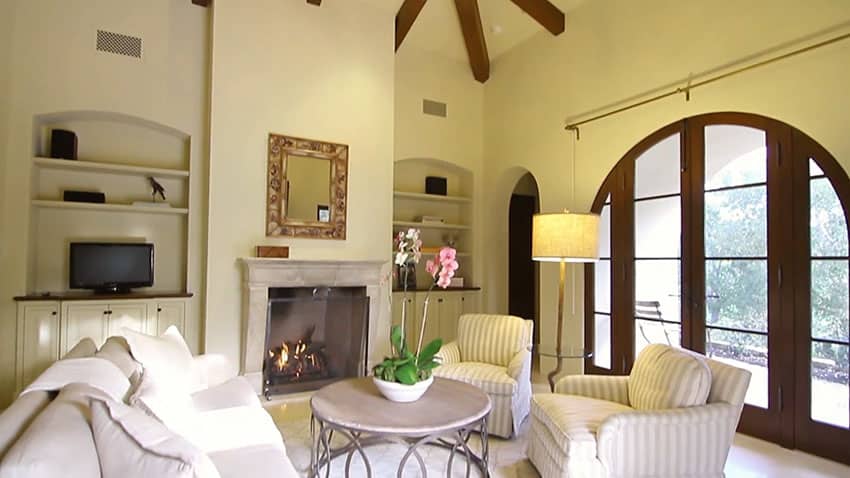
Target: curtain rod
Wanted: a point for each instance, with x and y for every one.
(686, 90)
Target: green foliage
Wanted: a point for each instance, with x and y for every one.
(405, 367)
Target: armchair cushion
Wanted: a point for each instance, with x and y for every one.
(573, 420)
(492, 379)
(603, 387)
(449, 353)
(666, 377)
(491, 338)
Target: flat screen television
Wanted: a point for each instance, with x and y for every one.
(110, 267)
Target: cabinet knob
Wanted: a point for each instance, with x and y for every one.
(440, 300)
(159, 309)
(53, 313)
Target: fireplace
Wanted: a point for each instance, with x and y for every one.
(268, 279)
(314, 336)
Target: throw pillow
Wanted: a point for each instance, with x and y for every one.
(130, 444)
(171, 406)
(667, 377)
(167, 358)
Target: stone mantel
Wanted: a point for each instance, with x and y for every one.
(260, 274)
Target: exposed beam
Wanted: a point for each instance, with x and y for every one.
(473, 36)
(405, 17)
(202, 3)
(317, 3)
(545, 13)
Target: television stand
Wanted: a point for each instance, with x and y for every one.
(112, 290)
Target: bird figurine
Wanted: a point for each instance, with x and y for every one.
(156, 189)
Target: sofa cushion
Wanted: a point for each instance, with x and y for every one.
(166, 357)
(492, 339)
(230, 428)
(117, 351)
(236, 392)
(573, 420)
(131, 444)
(255, 461)
(98, 373)
(168, 404)
(84, 348)
(666, 377)
(493, 379)
(58, 443)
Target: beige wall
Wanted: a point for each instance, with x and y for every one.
(618, 49)
(53, 66)
(287, 67)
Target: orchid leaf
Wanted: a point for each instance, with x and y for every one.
(427, 354)
(407, 374)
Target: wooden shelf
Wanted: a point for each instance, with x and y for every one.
(430, 225)
(95, 166)
(428, 254)
(99, 296)
(430, 197)
(42, 203)
(438, 289)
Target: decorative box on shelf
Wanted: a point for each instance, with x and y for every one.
(431, 220)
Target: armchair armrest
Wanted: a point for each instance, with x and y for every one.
(449, 353)
(520, 361)
(213, 369)
(692, 441)
(602, 387)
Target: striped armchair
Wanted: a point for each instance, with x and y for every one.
(674, 416)
(493, 352)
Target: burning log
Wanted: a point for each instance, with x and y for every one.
(302, 359)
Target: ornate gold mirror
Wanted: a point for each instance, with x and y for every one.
(307, 188)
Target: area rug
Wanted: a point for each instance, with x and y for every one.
(292, 416)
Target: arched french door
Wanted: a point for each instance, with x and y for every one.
(727, 233)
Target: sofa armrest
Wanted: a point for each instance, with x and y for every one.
(692, 441)
(602, 387)
(236, 392)
(521, 362)
(449, 353)
(213, 369)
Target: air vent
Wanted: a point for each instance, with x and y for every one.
(434, 108)
(119, 44)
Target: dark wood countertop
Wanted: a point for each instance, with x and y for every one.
(96, 296)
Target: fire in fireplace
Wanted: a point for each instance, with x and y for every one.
(314, 336)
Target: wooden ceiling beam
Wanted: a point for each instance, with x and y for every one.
(405, 17)
(545, 13)
(317, 3)
(473, 36)
(201, 3)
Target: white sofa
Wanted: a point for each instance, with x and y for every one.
(493, 352)
(674, 416)
(47, 433)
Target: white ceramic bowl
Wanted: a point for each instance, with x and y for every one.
(399, 392)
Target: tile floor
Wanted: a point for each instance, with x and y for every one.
(749, 458)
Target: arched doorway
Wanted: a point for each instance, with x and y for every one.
(522, 271)
(727, 234)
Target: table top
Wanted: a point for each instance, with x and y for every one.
(356, 404)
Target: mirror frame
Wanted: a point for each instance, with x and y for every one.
(277, 224)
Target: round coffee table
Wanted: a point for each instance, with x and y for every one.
(447, 415)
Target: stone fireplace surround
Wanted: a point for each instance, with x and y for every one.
(260, 274)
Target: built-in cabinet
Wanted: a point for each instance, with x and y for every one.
(47, 329)
(444, 309)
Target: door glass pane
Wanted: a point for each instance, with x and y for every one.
(828, 226)
(657, 282)
(814, 169)
(736, 294)
(657, 169)
(830, 387)
(658, 228)
(736, 222)
(648, 332)
(602, 341)
(602, 286)
(830, 309)
(747, 351)
(605, 232)
(734, 155)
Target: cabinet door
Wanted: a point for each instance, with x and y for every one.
(469, 302)
(83, 319)
(449, 304)
(131, 315)
(38, 340)
(168, 314)
(412, 321)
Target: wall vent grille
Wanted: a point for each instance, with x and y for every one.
(434, 108)
(119, 44)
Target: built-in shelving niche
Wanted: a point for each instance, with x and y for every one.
(116, 155)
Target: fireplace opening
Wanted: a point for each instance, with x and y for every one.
(314, 336)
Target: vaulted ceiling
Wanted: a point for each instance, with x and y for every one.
(479, 31)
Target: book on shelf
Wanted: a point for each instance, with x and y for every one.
(432, 220)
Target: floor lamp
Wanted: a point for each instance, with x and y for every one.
(564, 237)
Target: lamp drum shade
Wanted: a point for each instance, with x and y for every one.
(565, 236)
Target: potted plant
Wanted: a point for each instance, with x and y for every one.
(406, 375)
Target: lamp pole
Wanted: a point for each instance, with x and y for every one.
(558, 352)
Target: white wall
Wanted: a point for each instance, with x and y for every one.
(53, 66)
(618, 49)
(288, 67)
